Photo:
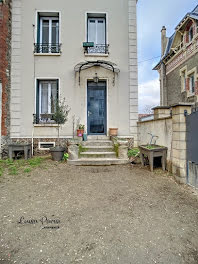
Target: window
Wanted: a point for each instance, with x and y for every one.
(48, 33)
(183, 75)
(190, 34)
(192, 83)
(47, 96)
(96, 33)
(46, 145)
(183, 81)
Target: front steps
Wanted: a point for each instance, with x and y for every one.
(97, 152)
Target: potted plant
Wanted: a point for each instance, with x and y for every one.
(60, 117)
(80, 130)
(113, 131)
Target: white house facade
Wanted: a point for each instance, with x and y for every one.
(83, 51)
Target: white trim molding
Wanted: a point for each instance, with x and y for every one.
(133, 69)
(16, 76)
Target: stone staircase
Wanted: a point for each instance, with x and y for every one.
(97, 153)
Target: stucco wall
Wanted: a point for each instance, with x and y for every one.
(173, 82)
(161, 128)
(122, 98)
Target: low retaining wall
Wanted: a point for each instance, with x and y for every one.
(171, 132)
(162, 128)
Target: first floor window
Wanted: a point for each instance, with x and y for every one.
(47, 96)
(48, 33)
(192, 83)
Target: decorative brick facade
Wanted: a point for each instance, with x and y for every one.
(5, 66)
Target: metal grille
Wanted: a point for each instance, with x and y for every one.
(100, 48)
(47, 48)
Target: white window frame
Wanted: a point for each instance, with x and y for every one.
(88, 14)
(49, 93)
(50, 28)
(40, 143)
(39, 13)
(96, 33)
(192, 85)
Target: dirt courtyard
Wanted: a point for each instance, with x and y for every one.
(62, 214)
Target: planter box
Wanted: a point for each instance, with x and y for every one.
(152, 152)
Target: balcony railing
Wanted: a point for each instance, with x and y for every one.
(97, 49)
(47, 48)
(43, 119)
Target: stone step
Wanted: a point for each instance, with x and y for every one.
(97, 162)
(97, 137)
(99, 155)
(97, 143)
(99, 149)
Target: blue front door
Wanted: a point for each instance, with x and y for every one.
(96, 108)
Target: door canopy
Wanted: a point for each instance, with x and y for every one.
(104, 64)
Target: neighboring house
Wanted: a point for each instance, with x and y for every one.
(83, 51)
(145, 117)
(5, 67)
(178, 67)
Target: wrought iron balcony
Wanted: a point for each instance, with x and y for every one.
(43, 119)
(47, 48)
(97, 49)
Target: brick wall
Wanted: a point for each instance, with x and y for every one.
(5, 65)
(173, 81)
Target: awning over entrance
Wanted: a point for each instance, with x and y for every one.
(89, 64)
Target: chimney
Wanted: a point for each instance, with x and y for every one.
(163, 40)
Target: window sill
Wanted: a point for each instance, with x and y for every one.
(96, 55)
(45, 125)
(47, 54)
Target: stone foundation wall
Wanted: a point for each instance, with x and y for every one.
(63, 142)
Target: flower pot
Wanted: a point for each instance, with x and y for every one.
(80, 132)
(113, 131)
(57, 153)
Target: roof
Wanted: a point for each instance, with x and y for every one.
(194, 15)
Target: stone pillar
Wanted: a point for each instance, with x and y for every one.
(179, 141)
(123, 150)
(161, 111)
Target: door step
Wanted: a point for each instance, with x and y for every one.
(97, 162)
(97, 143)
(99, 155)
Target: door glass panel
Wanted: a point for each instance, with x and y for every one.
(45, 32)
(91, 30)
(44, 98)
(53, 96)
(96, 107)
(55, 32)
(101, 31)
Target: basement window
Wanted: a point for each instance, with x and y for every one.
(46, 145)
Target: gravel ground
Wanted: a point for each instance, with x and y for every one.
(90, 215)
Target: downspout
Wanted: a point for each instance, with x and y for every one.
(34, 93)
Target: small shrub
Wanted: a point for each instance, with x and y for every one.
(27, 170)
(133, 152)
(13, 170)
(66, 156)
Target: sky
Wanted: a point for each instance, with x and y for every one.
(152, 15)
